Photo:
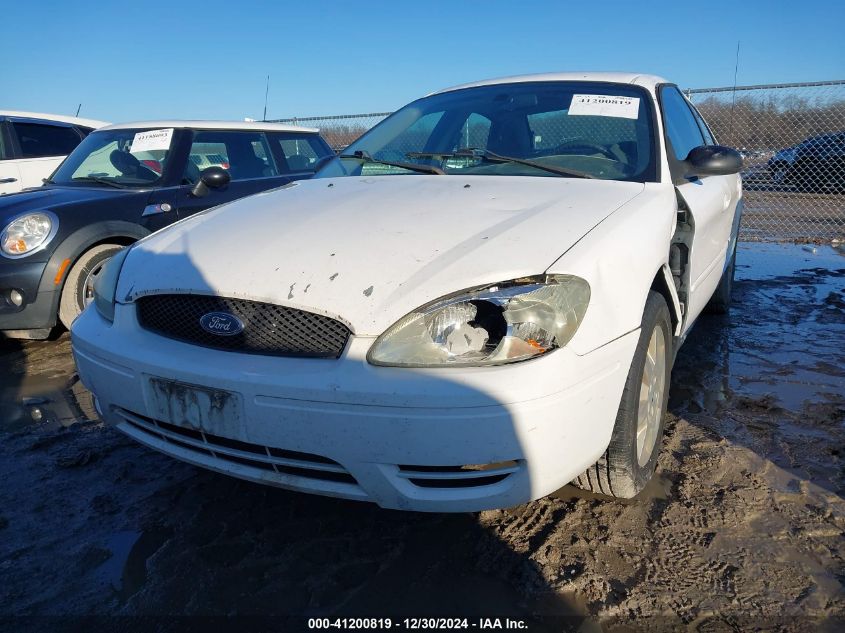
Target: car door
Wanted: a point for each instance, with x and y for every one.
(41, 146)
(245, 154)
(712, 200)
(10, 175)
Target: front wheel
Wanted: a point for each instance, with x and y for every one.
(79, 285)
(631, 458)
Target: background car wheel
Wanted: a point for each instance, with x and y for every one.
(780, 175)
(630, 459)
(720, 302)
(79, 285)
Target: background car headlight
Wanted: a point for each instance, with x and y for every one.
(105, 285)
(487, 326)
(26, 233)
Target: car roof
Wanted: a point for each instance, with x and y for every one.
(215, 125)
(639, 79)
(58, 118)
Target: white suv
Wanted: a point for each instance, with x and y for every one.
(32, 145)
(477, 302)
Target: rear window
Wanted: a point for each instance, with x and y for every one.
(38, 140)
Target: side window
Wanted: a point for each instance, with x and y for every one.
(300, 152)
(681, 127)
(4, 154)
(38, 140)
(246, 155)
(705, 131)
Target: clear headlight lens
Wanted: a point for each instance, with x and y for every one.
(26, 233)
(487, 326)
(105, 285)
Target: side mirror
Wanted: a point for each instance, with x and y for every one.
(210, 178)
(713, 160)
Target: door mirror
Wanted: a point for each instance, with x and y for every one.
(210, 178)
(713, 160)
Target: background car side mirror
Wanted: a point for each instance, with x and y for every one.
(713, 160)
(210, 178)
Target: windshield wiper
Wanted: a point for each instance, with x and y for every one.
(423, 169)
(102, 181)
(485, 154)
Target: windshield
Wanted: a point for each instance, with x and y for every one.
(566, 129)
(119, 158)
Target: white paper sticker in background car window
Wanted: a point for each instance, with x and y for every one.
(151, 140)
(605, 105)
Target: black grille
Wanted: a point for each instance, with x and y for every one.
(268, 329)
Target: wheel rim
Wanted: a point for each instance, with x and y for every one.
(88, 288)
(652, 389)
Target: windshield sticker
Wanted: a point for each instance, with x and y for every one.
(151, 140)
(605, 105)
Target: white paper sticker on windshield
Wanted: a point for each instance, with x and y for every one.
(605, 105)
(151, 140)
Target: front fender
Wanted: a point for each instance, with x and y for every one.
(619, 258)
(77, 243)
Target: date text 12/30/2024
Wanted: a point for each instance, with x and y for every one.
(417, 624)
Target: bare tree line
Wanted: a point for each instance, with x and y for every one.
(770, 123)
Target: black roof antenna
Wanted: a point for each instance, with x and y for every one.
(266, 92)
(733, 95)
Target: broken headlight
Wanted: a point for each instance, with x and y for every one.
(494, 325)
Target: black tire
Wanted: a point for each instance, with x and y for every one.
(720, 302)
(619, 473)
(75, 294)
(780, 175)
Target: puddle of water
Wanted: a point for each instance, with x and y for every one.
(782, 340)
(761, 260)
(125, 571)
(39, 386)
(49, 403)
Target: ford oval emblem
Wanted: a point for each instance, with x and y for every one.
(221, 324)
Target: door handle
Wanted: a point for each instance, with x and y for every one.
(4, 181)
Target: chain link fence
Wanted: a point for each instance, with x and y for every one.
(791, 136)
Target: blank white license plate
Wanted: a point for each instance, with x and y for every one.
(214, 411)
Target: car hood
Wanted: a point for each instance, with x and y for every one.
(54, 198)
(370, 250)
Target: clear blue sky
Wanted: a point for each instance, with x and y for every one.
(153, 59)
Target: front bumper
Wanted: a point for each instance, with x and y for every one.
(409, 439)
(38, 309)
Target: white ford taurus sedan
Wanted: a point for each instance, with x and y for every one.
(479, 301)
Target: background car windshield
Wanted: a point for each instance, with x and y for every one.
(604, 130)
(108, 156)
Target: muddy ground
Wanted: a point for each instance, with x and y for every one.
(743, 528)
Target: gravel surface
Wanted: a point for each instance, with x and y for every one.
(743, 528)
